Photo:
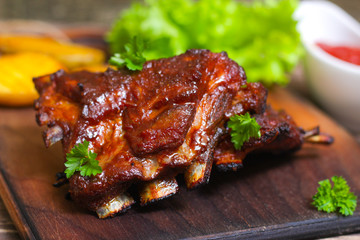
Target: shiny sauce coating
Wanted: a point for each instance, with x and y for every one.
(145, 124)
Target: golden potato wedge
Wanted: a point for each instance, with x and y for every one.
(71, 55)
(17, 72)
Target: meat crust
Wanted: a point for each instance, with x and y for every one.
(279, 135)
(148, 124)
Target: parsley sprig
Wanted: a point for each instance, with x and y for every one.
(132, 57)
(336, 198)
(243, 127)
(80, 158)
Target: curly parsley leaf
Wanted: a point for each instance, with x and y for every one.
(132, 57)
(243, 127)
(337, 198)
(83, 160)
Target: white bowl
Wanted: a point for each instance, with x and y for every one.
(333, 83)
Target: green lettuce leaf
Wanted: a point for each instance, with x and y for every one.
(260, 36)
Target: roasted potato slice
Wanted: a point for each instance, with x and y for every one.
(71, 55)
(17, 72)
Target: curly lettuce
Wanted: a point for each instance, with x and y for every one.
(260, 36)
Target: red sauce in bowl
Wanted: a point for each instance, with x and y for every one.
(348, 54)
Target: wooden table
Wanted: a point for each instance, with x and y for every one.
(7, 229)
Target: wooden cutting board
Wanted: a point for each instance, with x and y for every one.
(269, 198)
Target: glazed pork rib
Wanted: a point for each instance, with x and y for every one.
(279, 135)
(145, 126)
(150, 125)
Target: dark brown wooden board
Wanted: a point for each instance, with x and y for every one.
(268, 199)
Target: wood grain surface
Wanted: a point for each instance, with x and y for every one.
(7, 228)
(269, 198)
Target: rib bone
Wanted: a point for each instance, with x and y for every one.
(116, 205)
(158, 189)
(196, 174)
(52, 135)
